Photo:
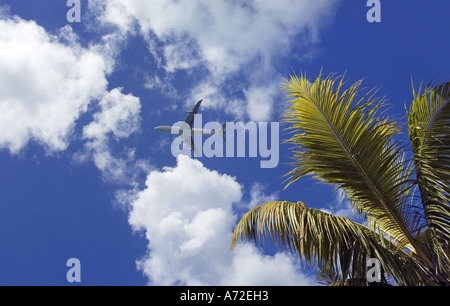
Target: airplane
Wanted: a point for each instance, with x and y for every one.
(188, 138)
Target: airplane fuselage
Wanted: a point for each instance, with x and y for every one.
(179, 130)
(186, 130)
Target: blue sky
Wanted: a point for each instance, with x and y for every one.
(83, 173)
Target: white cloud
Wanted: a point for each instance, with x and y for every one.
(341, 206)
(260, 102)
(228, 38)
(48, 81)
(118, 118)
(258, 196)
(116, 167)
(248, 263)
(44, 84)
(164, 85)
(228, 34)
(187, 215)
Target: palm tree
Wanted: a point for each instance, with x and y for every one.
(401, 191)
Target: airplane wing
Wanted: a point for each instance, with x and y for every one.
(190, 119)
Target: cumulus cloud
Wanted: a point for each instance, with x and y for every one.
(118, 118)
(48, 81)
(44, 84)
(258, 196)
(186, 213)
(226, 38)
(250, 267)
(260, 102)
(225, 34)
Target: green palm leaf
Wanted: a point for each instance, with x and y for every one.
(342, 138)
(345, 141)
(429, 133)
(329, 241)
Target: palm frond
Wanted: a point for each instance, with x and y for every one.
(429, 133)
(346, 141)
(329, 241)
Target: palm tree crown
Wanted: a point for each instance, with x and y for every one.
(401, 191)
